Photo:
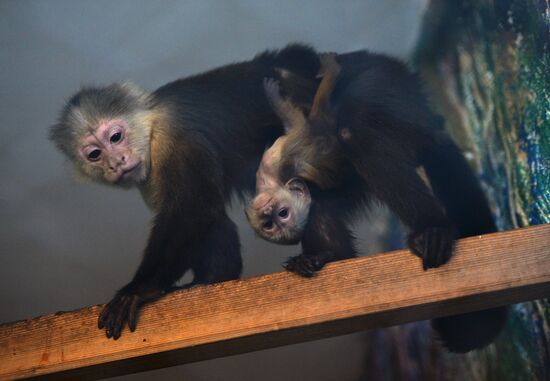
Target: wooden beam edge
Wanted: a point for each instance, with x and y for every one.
(281, 308)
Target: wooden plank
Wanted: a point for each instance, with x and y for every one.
(282, 308)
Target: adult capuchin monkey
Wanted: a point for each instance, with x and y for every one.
(188, 146)
(374, 123)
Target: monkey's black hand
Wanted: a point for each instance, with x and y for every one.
(433, 245)
(306, 266)
(124, 308)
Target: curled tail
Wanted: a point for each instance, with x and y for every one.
(457, 187)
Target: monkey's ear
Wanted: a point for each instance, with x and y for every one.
(298, 187)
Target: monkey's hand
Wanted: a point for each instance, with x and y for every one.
(304, 265)
(124, 308)
(272, 91)
(433, 245)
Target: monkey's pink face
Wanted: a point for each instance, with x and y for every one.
(108, 154)
(279, 214)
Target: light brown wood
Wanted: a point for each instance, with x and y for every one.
(282, 308)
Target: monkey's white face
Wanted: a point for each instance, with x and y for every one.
(108, 155)
(279, 214)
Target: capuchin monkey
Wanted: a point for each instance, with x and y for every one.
(374, 124)
(188, 147)
(193, 143)
(308, 153)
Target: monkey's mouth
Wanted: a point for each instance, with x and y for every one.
(127, 174)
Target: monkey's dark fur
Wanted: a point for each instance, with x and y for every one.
(379, 121)
(201, 139)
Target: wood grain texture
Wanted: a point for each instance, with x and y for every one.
(282, 308)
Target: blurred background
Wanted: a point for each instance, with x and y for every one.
(66, 245)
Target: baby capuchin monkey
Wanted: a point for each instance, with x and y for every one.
(374, 124)
(308, 153)
(313, 151)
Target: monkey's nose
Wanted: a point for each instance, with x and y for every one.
(115, 163)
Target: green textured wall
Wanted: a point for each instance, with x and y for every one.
(486, 65)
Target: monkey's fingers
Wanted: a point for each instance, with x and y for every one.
(417, 245)
(446, 240)
(111, 323)
(433, 245)
(114, 316)
(120, 317)
(102, 318)
(440, 246)
(133, 313)
(106, 312)
(302, 265)
(295, 265)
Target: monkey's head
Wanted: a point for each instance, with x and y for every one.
(279, 213)
(105, 132)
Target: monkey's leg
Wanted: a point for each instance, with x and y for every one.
(172, 249)
(214, 257)
(397, 184)
(164, 261)
(218, 258)
(326, 238)
(170, 252)
(192, 222)
(458, 188)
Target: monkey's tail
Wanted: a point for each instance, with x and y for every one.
(455, 184)
(473, 330)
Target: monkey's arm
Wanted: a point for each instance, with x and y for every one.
(395, 182)
(151, 279)
(326, 238)
(191, 231)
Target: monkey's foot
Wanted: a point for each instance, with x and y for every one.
(306, 266)
(124, 308)
(272, 90)
(433, 245)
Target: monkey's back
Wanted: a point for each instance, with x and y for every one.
(226, 110)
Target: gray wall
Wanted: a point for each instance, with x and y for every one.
(65, 245)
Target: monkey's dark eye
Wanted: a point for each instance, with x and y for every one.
(94, 155)
(268, 225)
(115, 138)
(283, 213)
